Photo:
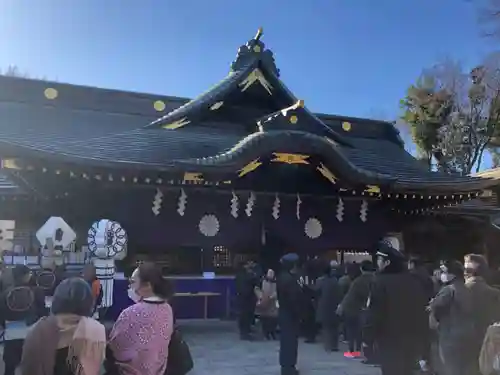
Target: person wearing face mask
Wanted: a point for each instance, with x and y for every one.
(452, 310)
(395, 317)
(485, 299)
(140, 337)
(268, 305)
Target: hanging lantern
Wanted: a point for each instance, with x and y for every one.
(234, 206)
(157, 202)
(363, 212)
(340, 210)
(276, 208)
(181, 205)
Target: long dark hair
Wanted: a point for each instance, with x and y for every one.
(151, 273)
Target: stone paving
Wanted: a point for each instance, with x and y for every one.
(217, 350)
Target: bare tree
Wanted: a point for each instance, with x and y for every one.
(488, 16)
(455, 116)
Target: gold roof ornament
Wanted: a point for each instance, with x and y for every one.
(10, 164)
(194, 177)
(253, 165)
(258, 35)
(326, 173)
(373, 189)
(281, 157)
(177, 124)
(346, 126)
(159, 105)
(256, 76)
(50, 93)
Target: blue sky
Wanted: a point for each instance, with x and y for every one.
(345, 57)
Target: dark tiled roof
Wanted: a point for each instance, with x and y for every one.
(122, 129)
(105, 111)
(154, 146)
(382, 156)
(79, 136)
(203, 101)
(48, 125)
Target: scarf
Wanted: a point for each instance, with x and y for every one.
(84, 337)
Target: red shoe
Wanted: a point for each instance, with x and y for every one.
(356, 354)
(348, 355)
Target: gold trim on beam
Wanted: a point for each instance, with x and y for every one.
(177, 124)
(253, 165)
(192, 177)
(281, 157)
(327, 174)
(256, 76)
(11, 164)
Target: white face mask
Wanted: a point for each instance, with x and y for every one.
(133, 295)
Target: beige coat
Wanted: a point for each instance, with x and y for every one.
(267, 299)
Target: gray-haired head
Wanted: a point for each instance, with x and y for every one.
(73, 296)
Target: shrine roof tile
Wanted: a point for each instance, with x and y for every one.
(365, 160)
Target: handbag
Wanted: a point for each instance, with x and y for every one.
(180, 361)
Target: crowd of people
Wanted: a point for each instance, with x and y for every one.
(67, 340)
(393, 312)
